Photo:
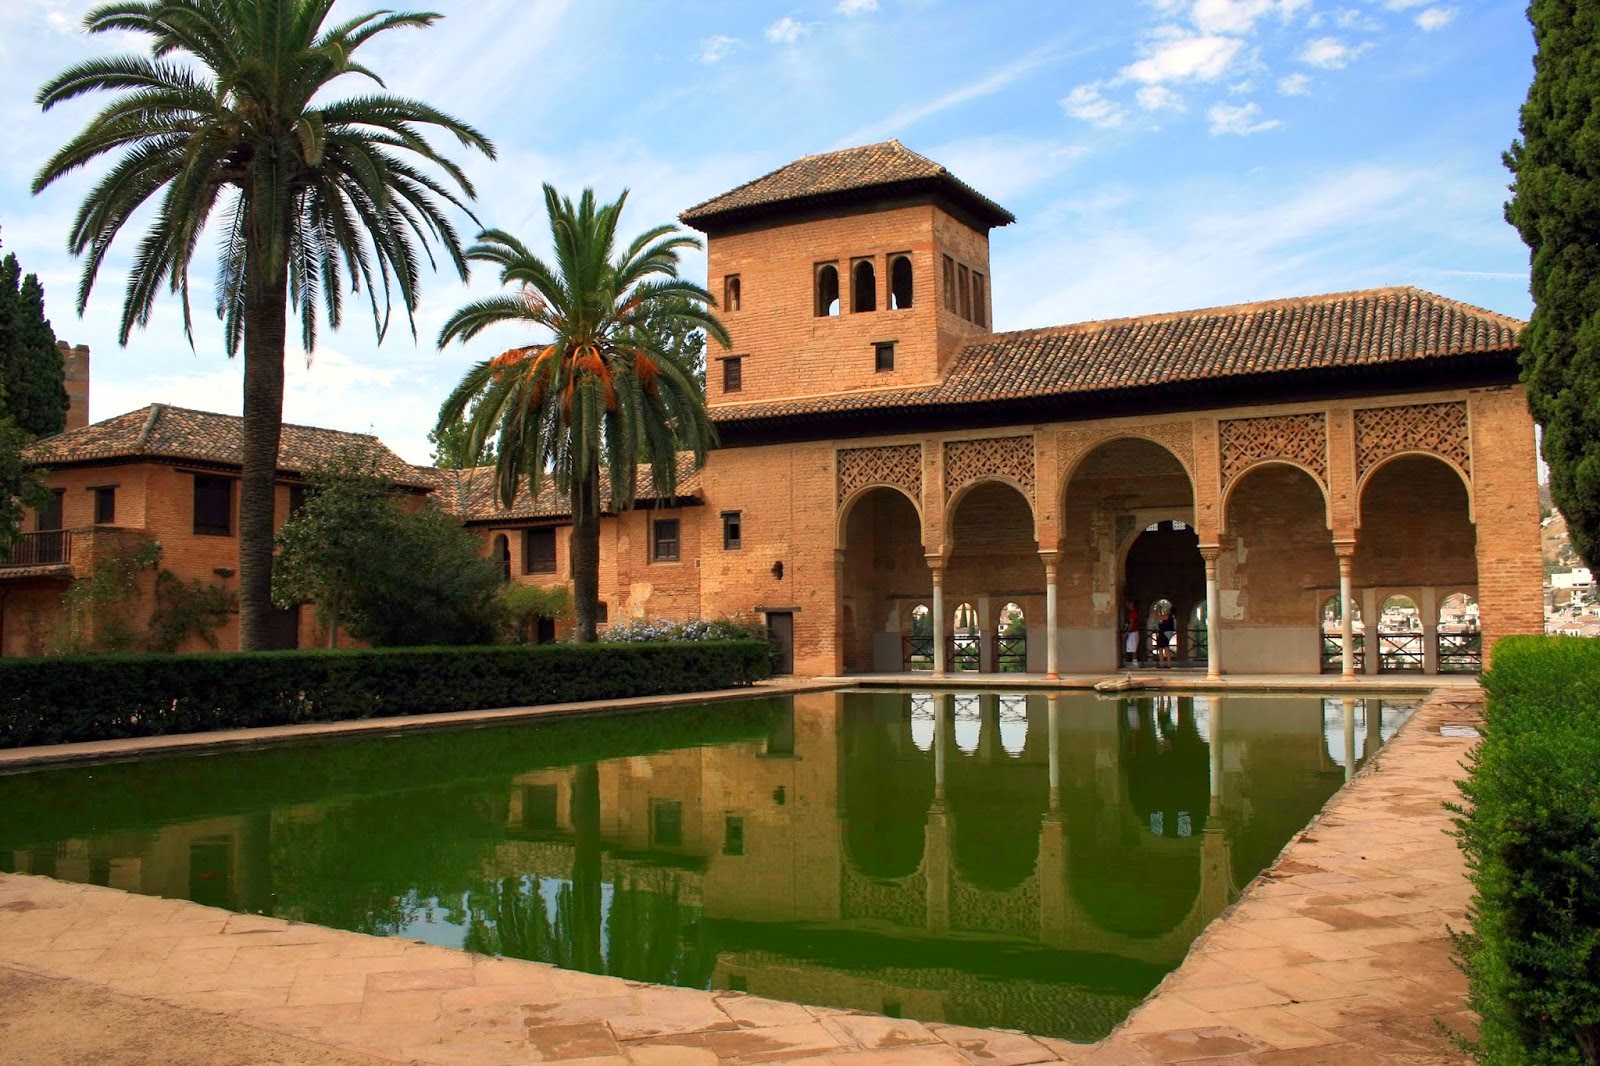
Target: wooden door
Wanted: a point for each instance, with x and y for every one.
(780, 628)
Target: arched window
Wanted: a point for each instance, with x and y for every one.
(502, 555)
(864, 287)
(730, 293)
(900, 283)
(1011, 654)
(827, 290)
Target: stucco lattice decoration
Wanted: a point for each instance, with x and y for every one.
(902, 902)
(899, 465)
(1301, 439)
(1011, 912)
(1440, 428)
(1007, 457)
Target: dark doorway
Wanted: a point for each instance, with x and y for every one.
(544, 631)
(1164, 563)
(780, 628)
(283, 629)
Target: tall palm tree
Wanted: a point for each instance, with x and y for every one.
(227, 119)
(604, 388)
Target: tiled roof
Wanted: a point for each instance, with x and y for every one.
(470, 493)
(1370, 328)
(161, 431)
(834, 174)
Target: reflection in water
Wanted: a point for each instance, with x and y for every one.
(1030, 862)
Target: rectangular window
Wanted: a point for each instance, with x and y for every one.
(730, 293)
(949, 284)
(732, 373)
(666, 823)
(664, 540)
(538, 551)
(980, 312)
(733, 835)
(105, 505)
(883, 354)
(213, 506)
(601, 615)
(966, 293)
(298, 497)
(732, 531)
(51, 516)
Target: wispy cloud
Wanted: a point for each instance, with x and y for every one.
(1295, 85)
(1331, 53)
(1181, 56)
(852, 8)
(1240, 119)
(716, 48)
(1088, 104)
(988, 84)
(788, 30)
(1436, 18)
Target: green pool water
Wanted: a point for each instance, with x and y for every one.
(1014, 861)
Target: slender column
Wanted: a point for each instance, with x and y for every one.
(1347, 665)
(1213, 609)
(1428, 605)
(1349, 736)
(1052, 667)
(938, 616)
(1055, 751)
(1373, 660)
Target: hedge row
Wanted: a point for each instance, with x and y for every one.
(1530, 829)
(64, 700)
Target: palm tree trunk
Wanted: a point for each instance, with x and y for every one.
(586, 553)
(266, 308)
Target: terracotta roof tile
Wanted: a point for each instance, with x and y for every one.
(849, 170)
(1352, 329)
(470, 493)
(161, 431)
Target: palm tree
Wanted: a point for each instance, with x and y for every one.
(225, 119)
(604, 389)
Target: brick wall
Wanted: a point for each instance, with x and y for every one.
(1280, 560)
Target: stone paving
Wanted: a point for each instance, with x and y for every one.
(1338, 953)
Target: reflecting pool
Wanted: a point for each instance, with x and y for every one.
(1028, 862)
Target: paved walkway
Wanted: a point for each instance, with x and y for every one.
(1339, 953)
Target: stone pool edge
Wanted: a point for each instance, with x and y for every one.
(28, 758)
(1328, 956)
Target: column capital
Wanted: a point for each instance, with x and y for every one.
(1344, 549)
(1210, 552)
(1049, 556)
(935, 563)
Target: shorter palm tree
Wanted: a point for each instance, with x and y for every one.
(606, 385)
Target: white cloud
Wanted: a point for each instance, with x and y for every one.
(1182, 56)
(787, 30)
(1159, 98)
(1241, 119)
(1404, 5)
(1436, 18)
(716, 48)
(1351, 18)
(852, 8)
(1087, 103)
(1330, 53)
(1295, 85)
(1239, 16)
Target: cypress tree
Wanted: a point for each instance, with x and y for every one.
(1555, 205)
(32, 381)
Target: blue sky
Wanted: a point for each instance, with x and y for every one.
(1159, 155)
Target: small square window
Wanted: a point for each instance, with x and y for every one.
(105, 506)
(213, 506)
(666, 823)
(299, 495)
(539, 551)
(732, 373)
(732, 531)
(664, 540)
(601, 614)
(733, 835)
(883, 354)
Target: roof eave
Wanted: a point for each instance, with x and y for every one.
(960, 200)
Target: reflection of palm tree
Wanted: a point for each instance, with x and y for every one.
(586, 876)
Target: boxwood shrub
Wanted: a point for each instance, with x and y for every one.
(1530, 830)
(104, 697)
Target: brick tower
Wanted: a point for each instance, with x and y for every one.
(75, 362)
(862, 269)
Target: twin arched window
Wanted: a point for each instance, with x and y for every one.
(864, 287)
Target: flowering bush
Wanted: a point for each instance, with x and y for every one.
(657, 630)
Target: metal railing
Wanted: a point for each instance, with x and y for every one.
(1400, 652)
(1198, 643)
(918, 653)
(1333, 652)
(966, 652)
(46, 548)
(1460, 653)
(1011, 654)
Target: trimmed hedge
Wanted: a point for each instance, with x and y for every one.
(1530, 829)
(64, 700)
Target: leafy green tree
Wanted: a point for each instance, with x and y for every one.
(453, 448)
(33, 392)
(1555, 205)
(229, 120)
(20, 485)
(600, 388)
(387, 575)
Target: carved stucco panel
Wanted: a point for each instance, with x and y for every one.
(1302, 439)
(899, 465)
(1007, 457)
(1440, 428)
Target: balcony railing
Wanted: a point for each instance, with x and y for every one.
(46, 548)
(1460, 653)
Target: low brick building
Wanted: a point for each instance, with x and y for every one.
(900, 486)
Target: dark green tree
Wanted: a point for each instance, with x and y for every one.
(1555, 205)
(453, 447)
(20, 485)
(33, 392)
(231, 119)
(597, 388)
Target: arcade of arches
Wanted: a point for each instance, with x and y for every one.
(1039, 550)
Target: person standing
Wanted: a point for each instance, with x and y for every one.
(1131, 630)
(1166, 633)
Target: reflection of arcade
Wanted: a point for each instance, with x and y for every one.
(1028, 862)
